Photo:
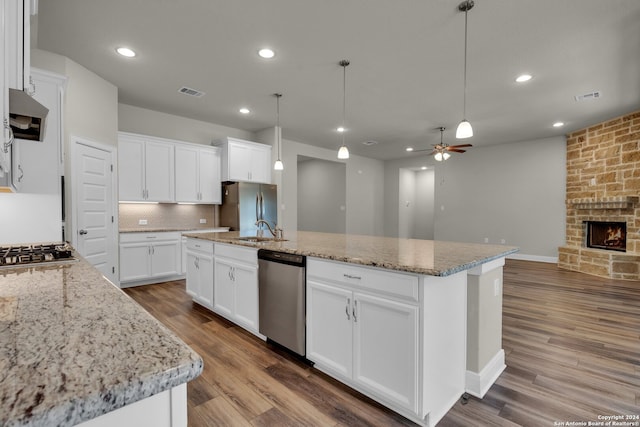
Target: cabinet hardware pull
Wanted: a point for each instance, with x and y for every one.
(153, 250)
(346, 309)
(349, 276)
(8, 143)
(82, 232)
(355, 308)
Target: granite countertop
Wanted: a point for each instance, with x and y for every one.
(430, 257)
(146, 229)
(73, 347)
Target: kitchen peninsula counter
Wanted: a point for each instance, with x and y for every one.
(429, 257)
(74, 347)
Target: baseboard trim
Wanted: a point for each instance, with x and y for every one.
(477, 384)
(537, 258)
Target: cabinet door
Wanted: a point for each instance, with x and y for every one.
(329, 327)
(386, 348)
(246, 296)
(193, 275)
(5, 158)
(165, 258)
(135, 261)
(261, 165)
(131, 169)
(37, 162)
(205, 274)
(159, 171)
(239, 158)
(210, 185)
(187, 174)
(223, 290)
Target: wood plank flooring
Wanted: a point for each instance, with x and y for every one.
(572, 344)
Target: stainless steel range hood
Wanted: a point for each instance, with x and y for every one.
(26, 116)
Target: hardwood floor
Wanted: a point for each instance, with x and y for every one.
(572, 344)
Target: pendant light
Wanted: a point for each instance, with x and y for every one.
(278, 165)
(464, 129)
(343, 152)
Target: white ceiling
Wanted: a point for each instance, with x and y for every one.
(406, 72)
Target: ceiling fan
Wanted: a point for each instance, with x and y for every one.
(441, 151)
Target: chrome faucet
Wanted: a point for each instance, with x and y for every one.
(275, 231)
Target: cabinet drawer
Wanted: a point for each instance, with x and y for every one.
(149, 236)
(237, 253)
(200, 245)
(383, 281)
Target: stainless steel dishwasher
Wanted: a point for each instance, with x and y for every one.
(281, 296)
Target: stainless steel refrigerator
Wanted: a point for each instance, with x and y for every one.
(244, 203)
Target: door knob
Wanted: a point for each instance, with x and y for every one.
(82, 232)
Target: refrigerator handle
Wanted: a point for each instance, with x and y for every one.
(258, 208)
(261, 205)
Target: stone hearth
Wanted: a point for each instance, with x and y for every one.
(603, 184)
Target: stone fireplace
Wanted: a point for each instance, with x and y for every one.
(603, 188)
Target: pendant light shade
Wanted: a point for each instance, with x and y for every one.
(464, 129)
(278, 165)
(343, 152)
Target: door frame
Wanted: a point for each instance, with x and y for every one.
(72, 212)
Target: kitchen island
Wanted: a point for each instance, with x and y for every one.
(74, 349)
(413, 324)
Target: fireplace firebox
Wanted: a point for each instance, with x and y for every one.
(607, 235)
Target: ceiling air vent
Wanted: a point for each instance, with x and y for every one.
(191, 92)
(587, 96)
(368, 143)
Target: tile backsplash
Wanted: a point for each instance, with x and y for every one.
(166, 215)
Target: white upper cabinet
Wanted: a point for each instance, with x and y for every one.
(245, 160)
(37, 165)
(17, 38)
(198, 174)
(146, 167)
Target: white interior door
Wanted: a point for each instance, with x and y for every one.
(94, 225)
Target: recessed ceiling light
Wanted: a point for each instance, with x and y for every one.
(558, 124)
(244, 110)
(424, 168)
(409, 149)
(125, 51)
(341, 129)
(266, 53)
(524, 78)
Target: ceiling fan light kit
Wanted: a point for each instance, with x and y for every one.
(464, 128)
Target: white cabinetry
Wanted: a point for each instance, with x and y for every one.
(198, 174)
(363, 332)
(200, 271)
(399, 338)
(147, 257)
(146, 168)
(37, 166)
(236, 285)
(245, 161)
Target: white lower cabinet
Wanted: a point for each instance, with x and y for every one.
(199, 272)
(236, 285)
(367, 339)
(149, 257)
(399, 338)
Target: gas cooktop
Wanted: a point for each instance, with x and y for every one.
(11, 256)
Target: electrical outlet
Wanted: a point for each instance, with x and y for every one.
(142, 222)
(592, 182)
(203, 220)
(503, 241)
(496, 287)
(486, 240)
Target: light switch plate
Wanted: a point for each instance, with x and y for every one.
(142, 222)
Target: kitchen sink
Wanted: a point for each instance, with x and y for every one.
(257, 239)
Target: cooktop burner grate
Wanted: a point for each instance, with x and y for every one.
(32, 254)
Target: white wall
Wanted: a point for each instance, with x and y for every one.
(322, 193)
(423, 222)
(406, 202)
(364, 186)
(154, 123)
(514, 192)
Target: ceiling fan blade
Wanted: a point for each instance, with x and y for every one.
(461, 145)
(455, 150)
(425, 149)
